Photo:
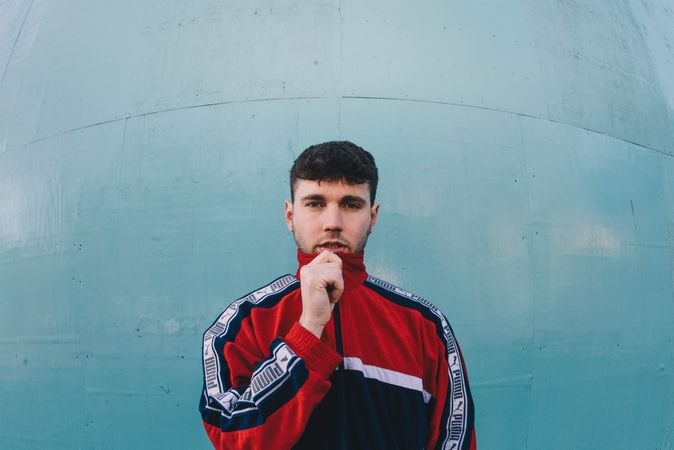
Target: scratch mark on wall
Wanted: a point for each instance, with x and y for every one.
(11, 53)
(532, 276)
(24, 438)
(41, 339)
(634, 219)
(506, 382)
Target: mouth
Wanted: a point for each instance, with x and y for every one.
(332, 246)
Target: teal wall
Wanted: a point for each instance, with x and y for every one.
(526, 150)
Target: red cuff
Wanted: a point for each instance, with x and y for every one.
(317, 355)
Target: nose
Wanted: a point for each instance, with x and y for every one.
(332, 218)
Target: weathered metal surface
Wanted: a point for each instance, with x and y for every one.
(526, 153)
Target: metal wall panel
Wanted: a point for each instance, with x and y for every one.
(527, 188)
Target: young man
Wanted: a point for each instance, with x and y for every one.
(332, 358)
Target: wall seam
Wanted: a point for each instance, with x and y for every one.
(458, 105)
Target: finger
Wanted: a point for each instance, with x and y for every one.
(326, 256)
(328, 276)
(322, 257)
(321, 274)
(337, 290)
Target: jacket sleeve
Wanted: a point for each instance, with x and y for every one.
(452, 414)
(254, 398)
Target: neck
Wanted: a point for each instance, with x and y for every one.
(353, 268)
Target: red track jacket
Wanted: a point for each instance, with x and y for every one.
(386, 374)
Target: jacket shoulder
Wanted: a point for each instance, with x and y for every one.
(407, 299)
(265, 296)
(400, 295)
(280, 286)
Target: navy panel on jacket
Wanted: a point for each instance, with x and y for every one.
(362, 413)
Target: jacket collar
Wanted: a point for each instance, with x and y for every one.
(353, 268)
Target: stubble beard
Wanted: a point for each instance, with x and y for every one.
(361, 245)
(337, 236)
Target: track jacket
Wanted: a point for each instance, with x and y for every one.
(387, 372)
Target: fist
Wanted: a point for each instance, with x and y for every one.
(321, 285)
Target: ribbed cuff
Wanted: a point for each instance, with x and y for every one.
(317, 355)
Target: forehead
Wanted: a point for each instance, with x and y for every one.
(331, 189)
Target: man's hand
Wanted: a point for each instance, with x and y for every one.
(322, 286)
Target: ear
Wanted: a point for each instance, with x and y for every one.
(289, 215)
(373, 216)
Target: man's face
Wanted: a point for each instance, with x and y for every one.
(331, 215)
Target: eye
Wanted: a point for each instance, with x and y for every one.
(313, 204)
(352, 205)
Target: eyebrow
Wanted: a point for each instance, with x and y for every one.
(353, 199)
(313, 197)
(345, 199)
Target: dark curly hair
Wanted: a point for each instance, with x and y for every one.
(335, 161)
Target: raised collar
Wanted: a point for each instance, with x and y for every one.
(353, 268)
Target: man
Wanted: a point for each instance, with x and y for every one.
(332, 358)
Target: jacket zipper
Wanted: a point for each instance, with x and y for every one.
(338, 334)
(342, 424)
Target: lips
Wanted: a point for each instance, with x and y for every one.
(333, 246)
